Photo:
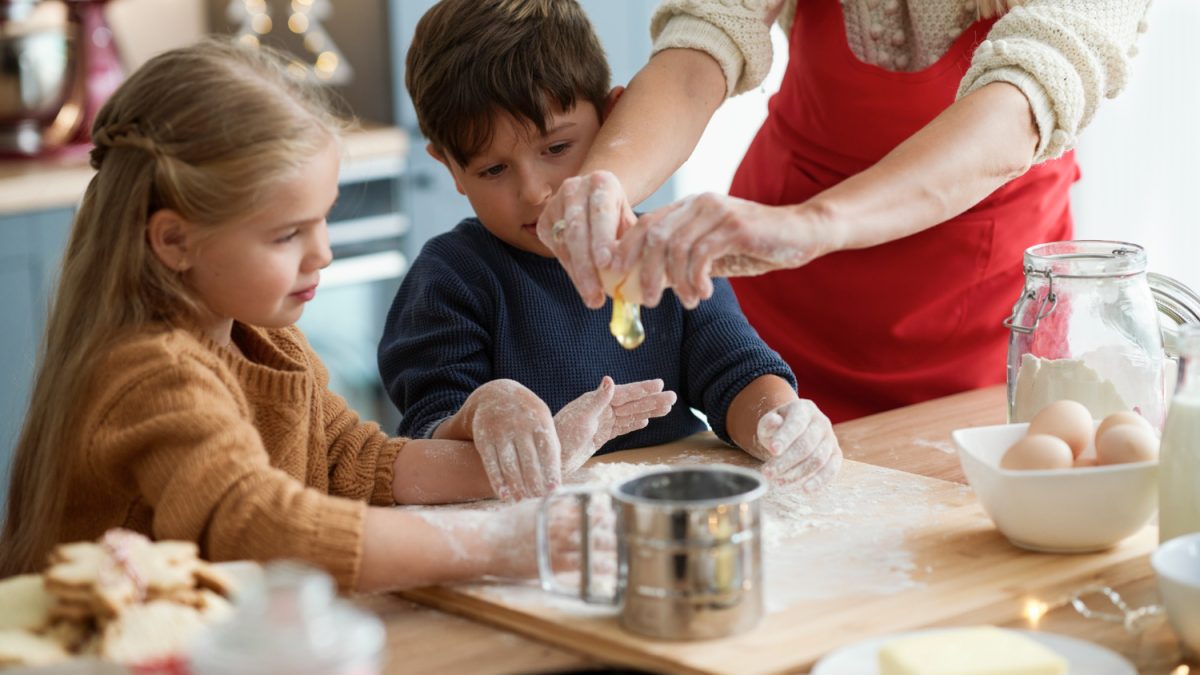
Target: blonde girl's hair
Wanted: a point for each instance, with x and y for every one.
(205, 130)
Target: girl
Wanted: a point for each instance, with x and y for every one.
(175, 397)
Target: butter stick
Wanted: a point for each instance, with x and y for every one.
(969, 651)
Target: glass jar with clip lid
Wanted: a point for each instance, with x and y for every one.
(1093, 326)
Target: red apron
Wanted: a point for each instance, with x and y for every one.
(913, 319)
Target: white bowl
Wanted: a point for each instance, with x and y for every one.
(1177, 564)
(1056, 510)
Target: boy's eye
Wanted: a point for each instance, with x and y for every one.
(492, 171)
(287, 237)
(558, 148)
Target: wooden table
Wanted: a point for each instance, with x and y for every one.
(914, 439)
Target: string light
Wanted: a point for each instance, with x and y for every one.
(1034, 611)
(325, 62)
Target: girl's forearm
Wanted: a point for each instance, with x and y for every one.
(432, 471)
(402, 549)
(968, 151)
(657, 122)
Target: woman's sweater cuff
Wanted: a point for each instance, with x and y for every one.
(687, 32)
(1049, 145)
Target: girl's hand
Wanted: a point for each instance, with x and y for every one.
(580, 225)
(514, 433)
(590, 421)
(797, 445)
(684, 244)
(511, 537)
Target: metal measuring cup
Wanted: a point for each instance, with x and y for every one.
(689, 551)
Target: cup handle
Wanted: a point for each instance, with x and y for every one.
(582, 494)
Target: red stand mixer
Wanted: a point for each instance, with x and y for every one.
(58, 64)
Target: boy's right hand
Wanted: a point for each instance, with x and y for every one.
(515, 436)
(590, 421)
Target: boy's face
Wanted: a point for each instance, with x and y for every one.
(509, 181)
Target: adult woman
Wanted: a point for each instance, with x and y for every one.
(893, 117)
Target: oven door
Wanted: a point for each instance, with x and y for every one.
(345, 319)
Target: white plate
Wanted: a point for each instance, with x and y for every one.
(1082, 656)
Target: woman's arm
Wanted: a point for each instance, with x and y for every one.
(650, 132)
(973, 147)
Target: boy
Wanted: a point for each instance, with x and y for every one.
(510, 94)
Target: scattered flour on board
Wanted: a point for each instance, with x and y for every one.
(849, 536)
(940, 446)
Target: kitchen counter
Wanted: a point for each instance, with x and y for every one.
(915, 439)
(59, 181)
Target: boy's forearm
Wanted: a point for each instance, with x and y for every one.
(434, 471)
(762, 395)
(656, 124)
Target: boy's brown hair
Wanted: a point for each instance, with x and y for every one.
(471, 59)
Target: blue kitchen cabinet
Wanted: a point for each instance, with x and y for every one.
(31, 246)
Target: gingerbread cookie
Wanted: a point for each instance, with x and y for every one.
(24, 603)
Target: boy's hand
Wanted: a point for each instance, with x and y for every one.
(797, 445)
(590, 421)
(514, 434)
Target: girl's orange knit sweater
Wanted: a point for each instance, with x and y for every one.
(251, 456)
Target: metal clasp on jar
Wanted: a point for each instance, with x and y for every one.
(1049, 302)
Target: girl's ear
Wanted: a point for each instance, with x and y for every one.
(170, 239)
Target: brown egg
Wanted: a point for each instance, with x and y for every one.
(1123, 417)
(1084, 462)
(1126, 443)
(1037, 451)
(1068, 420)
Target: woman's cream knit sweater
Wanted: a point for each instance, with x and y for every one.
(1065, 55)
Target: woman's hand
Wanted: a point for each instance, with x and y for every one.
(587, 423)
(514, 433)
(797, 445)
(684, 244)
(580, 225)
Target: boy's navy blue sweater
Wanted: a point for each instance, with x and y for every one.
(473, 308)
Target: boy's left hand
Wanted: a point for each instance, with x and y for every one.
(590, 421)
(797, 445)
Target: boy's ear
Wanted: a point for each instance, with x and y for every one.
(437, 154)
(169, 235)
(610, 101)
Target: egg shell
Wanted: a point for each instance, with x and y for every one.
(1126, 443)
(1085, 462)
(628, 286)
(1037, 451)
(1123, 417)
(1068, 420)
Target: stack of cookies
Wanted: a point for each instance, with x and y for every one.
(123, 598)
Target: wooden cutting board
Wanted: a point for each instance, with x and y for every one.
(880, 551)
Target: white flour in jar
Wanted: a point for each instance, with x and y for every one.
(1044, 381)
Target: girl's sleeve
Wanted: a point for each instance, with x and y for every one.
(361, 457)
(1065, 56)
(734, 32)
(185, 443)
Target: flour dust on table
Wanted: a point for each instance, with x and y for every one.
(849, 538)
